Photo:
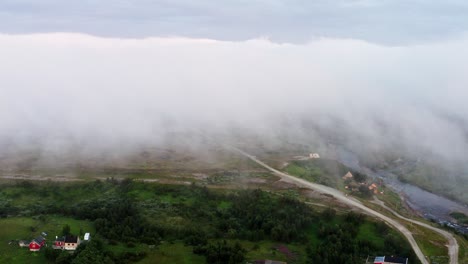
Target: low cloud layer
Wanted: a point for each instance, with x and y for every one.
(63, 90)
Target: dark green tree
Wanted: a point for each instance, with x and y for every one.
(66, 230)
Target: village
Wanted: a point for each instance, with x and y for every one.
(354, 183)
(67, 242)
(359, 184)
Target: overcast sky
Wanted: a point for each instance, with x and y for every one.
(393, 22)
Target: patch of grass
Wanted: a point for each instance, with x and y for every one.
(16, 228)
(463, 250)
(266, 250)
(296, 170)
(368, 231)
(393, 200)
(324, 171)
(434, 252)
(431, 243)
(142, 194)
(173, 253)
(122, 248)
(430, 248)
(224, 205)
(54, 225)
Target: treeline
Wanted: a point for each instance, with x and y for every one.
(131, 213)
(252, 215)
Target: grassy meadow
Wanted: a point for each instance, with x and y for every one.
(163, 221)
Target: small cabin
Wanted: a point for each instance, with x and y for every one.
(23, 243)
(314, 156)
(348, 175)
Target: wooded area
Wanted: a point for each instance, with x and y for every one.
(137, 213)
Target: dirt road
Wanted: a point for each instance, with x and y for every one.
(452, 241)
(344, 199)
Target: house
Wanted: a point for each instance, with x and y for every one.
(59, 243)
(314, 156)
(348, 175)
(373, 188)
(71, 242)
(390, 260)
(36, 244)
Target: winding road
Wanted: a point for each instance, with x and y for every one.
(453, 245)
(452, 241)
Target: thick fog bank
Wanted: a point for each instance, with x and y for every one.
(73, 93)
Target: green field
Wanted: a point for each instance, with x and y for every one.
(323, 171)
(173, 253)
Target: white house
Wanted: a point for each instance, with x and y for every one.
(314, 156)
(71, 242)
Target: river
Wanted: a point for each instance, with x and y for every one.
(429, 205)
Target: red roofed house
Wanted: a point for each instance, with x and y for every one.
(59, 243)
(36, 244)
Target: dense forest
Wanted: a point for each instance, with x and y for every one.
(209, 221)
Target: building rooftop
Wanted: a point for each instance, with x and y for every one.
(71, 239)
(39, 239)
(390, 259)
